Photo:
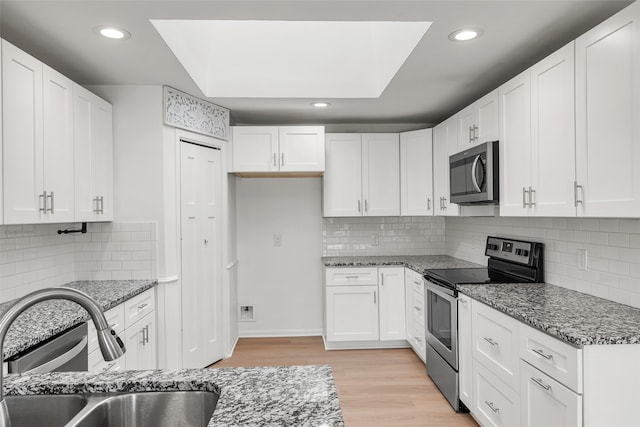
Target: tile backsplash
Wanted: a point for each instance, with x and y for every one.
(35, 256)
(612, 247)
(395, 236)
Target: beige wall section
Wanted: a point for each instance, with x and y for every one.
(283, 283)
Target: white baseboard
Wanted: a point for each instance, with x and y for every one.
(276, 333)
(365, 345)
(233, 347)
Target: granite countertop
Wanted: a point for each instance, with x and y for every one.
(276, 396)
(571, 316)
(49, 318)
(418, 263)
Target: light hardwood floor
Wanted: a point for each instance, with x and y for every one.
(376, 387)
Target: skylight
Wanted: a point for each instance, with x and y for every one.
(291, 59)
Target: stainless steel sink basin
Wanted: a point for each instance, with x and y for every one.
(157, 409)
(44, 410)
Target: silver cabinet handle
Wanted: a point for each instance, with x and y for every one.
(474, 167)
(143, 306)
(381, 279)
(96, 205)
(575, 193)
(374, 297)
(351, 277)
(542, 353)
(428, 203)
(417, 283)
(541, 384)
(366, 205)
(418, 339)
(359, 207)
(444, 203)
(462, 301)
(490, 341)
(470, 134)
(524, 197)
(109, 366)
(417, 308)
(146, 334)
(532, 203)
(102, 204)
(492, 406)
(142, 338)
(43, 202)
(274, 160)
(51, 198)
(475, 133)
(282, 159)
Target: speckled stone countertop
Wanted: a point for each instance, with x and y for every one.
(418, 263)
(49, 318)
(268, 396)
(574, 317)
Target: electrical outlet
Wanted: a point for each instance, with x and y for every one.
(582, 259)
(277, 239)
(375, 240)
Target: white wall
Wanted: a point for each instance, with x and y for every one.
(613, 250)
(284, 284)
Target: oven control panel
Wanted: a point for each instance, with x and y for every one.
(509, 249)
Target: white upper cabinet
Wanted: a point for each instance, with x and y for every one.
(537, 140)
(93, 156)
(362, 176)
(445, 143)
(342, 180)
(416, 173)
(278, 149)
(478, 122)
(608, 117)
(37, 140)
(381, 174)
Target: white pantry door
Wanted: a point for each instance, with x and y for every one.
(200, 195)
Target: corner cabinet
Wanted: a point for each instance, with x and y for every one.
(608, 117)
(362, 176)
(274, 149)
(365, 307)
(416, 173)
(445, 143)
(92, 119)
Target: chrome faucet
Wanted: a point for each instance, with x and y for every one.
(111, 345)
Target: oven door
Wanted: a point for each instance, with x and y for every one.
(442, 322)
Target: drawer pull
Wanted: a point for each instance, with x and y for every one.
(417, 283)
(418, 339)
(143, 306)
(491, 405)
(417, 308)
(490, 341)
(542, 353)
(351, 277)
(463, 301)
(541, 384)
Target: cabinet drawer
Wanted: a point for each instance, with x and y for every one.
(415, 280)
(546, 402)
(557, 359)
(495, 403)
(495, 343)
(138, 306)
(351, 276)
(418, 309)
(115, 318)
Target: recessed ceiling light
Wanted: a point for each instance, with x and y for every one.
(113, 33)
(321, 104)
(465, 34)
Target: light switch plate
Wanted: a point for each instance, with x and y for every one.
(582, 259)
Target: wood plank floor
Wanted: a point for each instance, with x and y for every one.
(376, 387)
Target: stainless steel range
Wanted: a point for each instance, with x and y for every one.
(510, 261)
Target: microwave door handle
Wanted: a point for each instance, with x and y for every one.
(474, 168)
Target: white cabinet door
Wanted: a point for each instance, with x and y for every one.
(553, 134)
(58, 153)
(352, 313)
(416, 173)
(255, 149)
(140, 341)
(342, 180)
(445, 143)
(392, 304)
(465, 350)
(545, 402)
(515, 145)
(467, 119)
(495, 404)
(301, 148)
(102, 157)
(381, 174)
(22, 137)
(487, 118)
(607, 111)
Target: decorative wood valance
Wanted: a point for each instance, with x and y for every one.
(187, 112)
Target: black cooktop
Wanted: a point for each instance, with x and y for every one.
(451, 277)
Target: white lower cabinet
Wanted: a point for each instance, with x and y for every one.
(363, 307)
(546, 402)
(495, 403)
(141, 343)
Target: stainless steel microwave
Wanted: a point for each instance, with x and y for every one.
(473, 175)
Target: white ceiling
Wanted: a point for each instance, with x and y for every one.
(438, 78)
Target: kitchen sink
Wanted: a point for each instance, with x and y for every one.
(158, 409)
(44, 409)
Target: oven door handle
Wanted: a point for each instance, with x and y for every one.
(54, 364)
(441, 290)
